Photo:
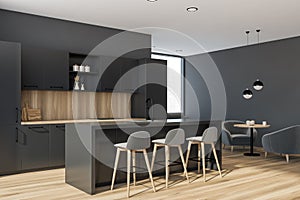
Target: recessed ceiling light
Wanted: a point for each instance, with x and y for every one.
(192, 9)
(179, 50)
(152, 0)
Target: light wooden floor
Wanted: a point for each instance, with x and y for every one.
(244, 178)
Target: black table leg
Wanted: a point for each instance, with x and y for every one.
(251, 146)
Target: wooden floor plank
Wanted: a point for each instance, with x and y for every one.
(243, 178)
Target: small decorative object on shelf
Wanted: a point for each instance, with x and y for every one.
(87, 68)
(81, 68)
(82, 86)
(75, 68)
(76, 83)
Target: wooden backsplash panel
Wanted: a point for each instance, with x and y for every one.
(56, 105)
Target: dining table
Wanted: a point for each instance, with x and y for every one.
(251, 127)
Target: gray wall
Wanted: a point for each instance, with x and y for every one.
(276, 64)
(32, 30)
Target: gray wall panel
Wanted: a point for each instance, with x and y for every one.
(276, 64)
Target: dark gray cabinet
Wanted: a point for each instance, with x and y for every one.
(8, 149)
(44, 69)
(55, 70)
(33, 147)
(116, 76)
(40, 146)
(10, 56)
(57, 145)
(129, 75)
(32, 70)
(153, 77)
(111, 75)
(156, 89)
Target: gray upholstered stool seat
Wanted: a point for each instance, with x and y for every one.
(210, 136)
(159, 141)
(199, 138)
(174, 138)
(121, 145)
(137, 142)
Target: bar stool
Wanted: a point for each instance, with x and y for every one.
(210, 136)
(137, 142)
(174, 138)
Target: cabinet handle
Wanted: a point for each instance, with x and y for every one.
(36, 128)
(62, 127)
(17, 115)
(56, 87)
(17, 135)
(24, 137)
(30, 86)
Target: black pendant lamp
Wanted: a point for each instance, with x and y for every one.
(258, 85)
(247, 94)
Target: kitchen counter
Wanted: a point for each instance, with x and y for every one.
(90, 151)
(116, 122)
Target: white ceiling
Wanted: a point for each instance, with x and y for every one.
(219, 24)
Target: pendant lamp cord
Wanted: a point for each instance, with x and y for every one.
(258, 31)
(247, 32)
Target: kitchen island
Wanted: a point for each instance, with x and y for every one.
(90, 151)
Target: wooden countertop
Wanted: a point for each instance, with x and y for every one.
(82, 121)
(114, 121)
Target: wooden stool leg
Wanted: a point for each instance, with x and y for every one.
(287, 157)
(183, 163)
(199, 157)
(188, 153)
(153, 156)
(149, 169)
(216, 158)
(167, 155)
(128, 172)
(203, 160)
(115, 168)
(133, 167)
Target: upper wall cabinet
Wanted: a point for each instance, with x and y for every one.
(120, 75)
(44, 69)
(111, 74)
(129, 75)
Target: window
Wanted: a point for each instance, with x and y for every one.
(174, 82)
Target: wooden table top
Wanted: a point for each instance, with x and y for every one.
(251, 126)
